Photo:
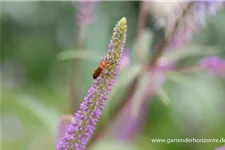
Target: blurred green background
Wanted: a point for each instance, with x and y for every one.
(35, 83)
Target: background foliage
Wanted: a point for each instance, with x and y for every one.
(34, 82)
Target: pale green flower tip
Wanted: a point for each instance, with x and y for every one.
(123, 23)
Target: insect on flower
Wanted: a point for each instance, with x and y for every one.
(97, 72)
(101, 67)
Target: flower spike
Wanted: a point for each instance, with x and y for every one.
(85, 119)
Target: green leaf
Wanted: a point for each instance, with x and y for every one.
(48, 116)
(112, 145)
(163, 96)
(140, 95)
(190, 51)
(146, 39)
(79, 54)
(179, 78)
(125, 77)
(202, 99)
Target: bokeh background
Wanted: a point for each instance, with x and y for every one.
(36, 77)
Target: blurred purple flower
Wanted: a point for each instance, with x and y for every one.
(214, 64)
(80, 130)
(64, 121)
(126, 58)
(195, 18)
(85, 13)
(221, 148)
(208, 7)
(164, 65)
(183, 35)
(204, 8)
(157, 75)
(126, 127)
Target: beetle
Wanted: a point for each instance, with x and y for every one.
(98, 71)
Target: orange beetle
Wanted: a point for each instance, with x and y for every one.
(97, 72)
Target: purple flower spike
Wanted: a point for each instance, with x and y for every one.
(213, 64)
(204, 8)
(126, 58)
(193, 20)
(210, 6)
(64, 121)
(82, 127)
(85, 13)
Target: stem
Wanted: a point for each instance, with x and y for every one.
(73, 92)
(164, 42)
(187, 69)
(159, 52)
(141, 26)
